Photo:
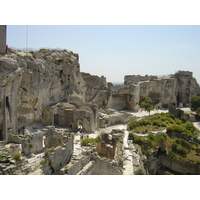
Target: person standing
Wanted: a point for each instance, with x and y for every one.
(6, 49)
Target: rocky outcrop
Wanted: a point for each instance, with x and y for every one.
(96, 90)
(29, 82)
(159, 164)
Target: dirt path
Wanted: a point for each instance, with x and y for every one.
(128, 162)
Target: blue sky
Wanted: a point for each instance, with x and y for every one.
(118, 50)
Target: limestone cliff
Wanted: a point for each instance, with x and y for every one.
(28, 82)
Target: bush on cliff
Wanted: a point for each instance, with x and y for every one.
(181, 147)
(132, 124)
(86, 141)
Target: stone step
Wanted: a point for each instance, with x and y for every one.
(86, 169)
(2, 145)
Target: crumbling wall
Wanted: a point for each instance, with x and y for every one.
(124, 97)
(104, 167)
(76, 165)
(58, 158)
(133, 79)
(114, 118)
(96, 89)
(33, 143)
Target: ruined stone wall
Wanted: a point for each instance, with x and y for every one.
(96, 89)
(33, 144)
(115, 118)
(162, 92)
(58, 158)
(54, 138)
(2, 39)
(176, 111)
(75, 166)
(179, 166)
(133, 79)
(187, 87)
(104, 167)
(124, 97)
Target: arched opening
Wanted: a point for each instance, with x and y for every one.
(79, 123)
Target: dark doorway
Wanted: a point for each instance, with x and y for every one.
(1, 135)
(56, 119)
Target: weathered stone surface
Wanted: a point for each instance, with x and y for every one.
(30, 82)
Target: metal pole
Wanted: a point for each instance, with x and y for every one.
(26, 39)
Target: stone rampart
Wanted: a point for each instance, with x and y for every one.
(133, 79)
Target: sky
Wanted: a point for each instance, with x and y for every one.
(118, 50)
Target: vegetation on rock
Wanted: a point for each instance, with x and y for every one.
(147, 104)
(195, 103)
(179, 141)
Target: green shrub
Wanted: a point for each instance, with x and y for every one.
(17, 156)
(171, 154)
(87, 141)
(139, 172)
(43, 162)
(143, 122)
(30, 145)
(197, 151)
(189, 126)
(58, 61)
(178, 121)
(98, 138)
(175, 128)
(32, 52)
(132, 124)
(130, 136)
(195, 103)
(50, 150)
(159, 123)
(138, 139)
(137, 130)
(151, 136)
(181, 147)
(183, 143)
(3, 158)
(43, 50)
(160, 139)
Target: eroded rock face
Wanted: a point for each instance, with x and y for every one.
(96, 90)
(30, 82)
(175, 89)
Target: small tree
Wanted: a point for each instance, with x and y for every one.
(198, 111)
(195, 103)
(147, 104)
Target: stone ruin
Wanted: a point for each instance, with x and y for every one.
(45, 92)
